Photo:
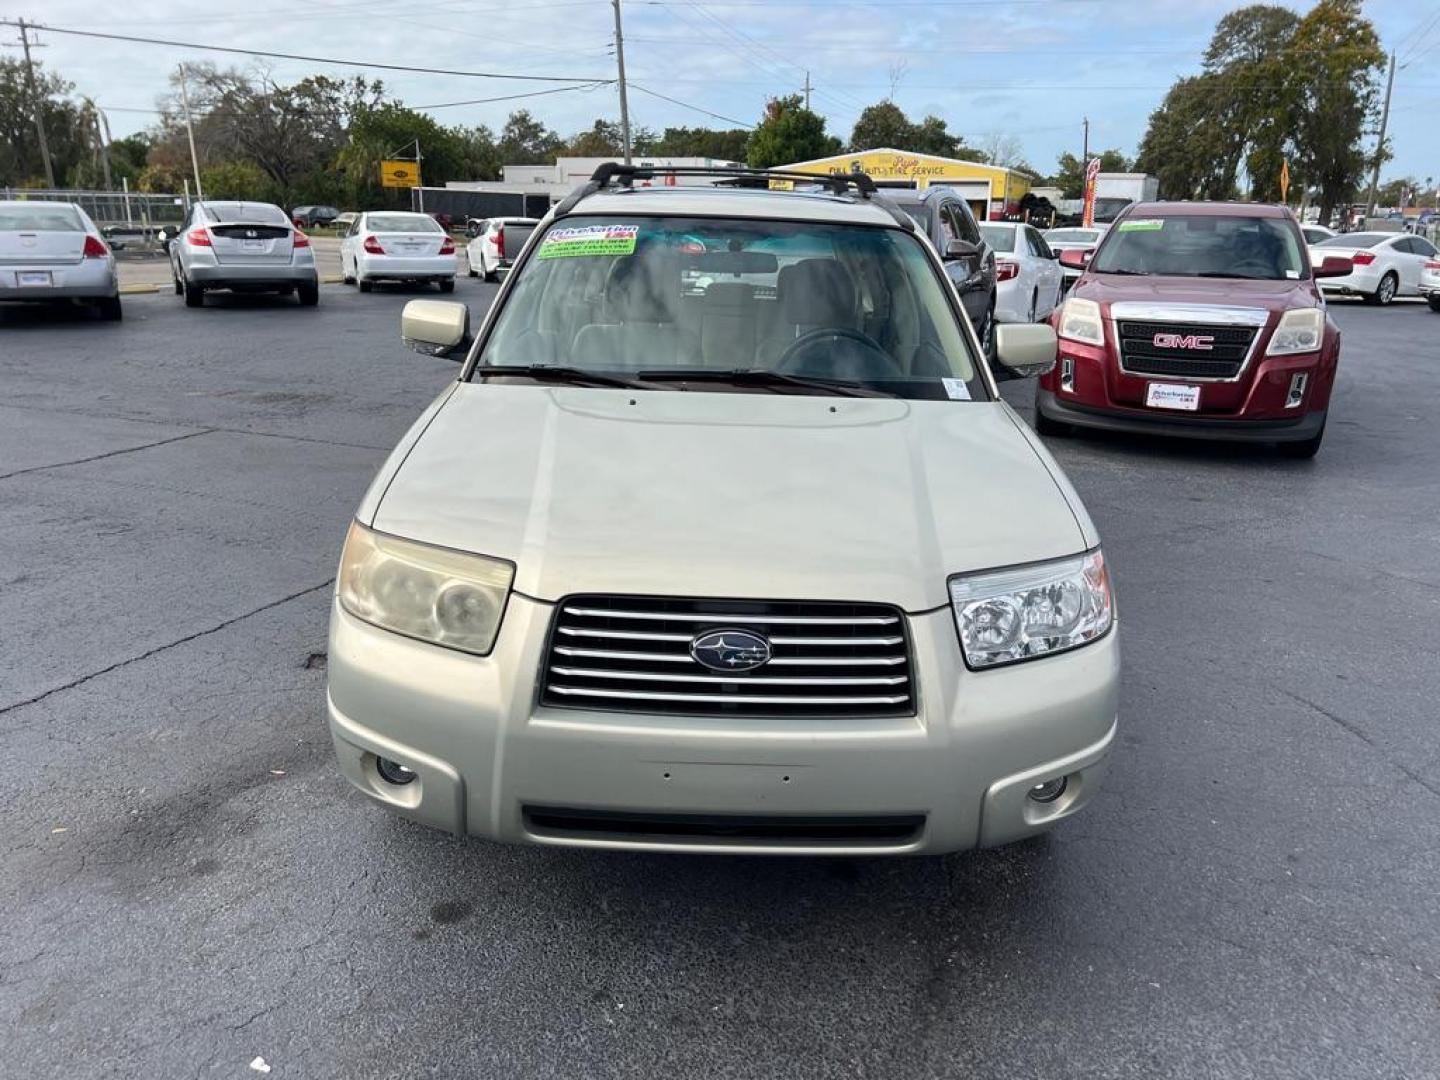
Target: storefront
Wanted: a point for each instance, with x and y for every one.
(991, 190)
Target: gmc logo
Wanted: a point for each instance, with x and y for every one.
(1183, 341)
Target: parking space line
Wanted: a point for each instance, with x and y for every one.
(107, 454)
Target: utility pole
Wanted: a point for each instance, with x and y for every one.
(807, 91)
(190, 132)
(1380, 146)
(37, 105)
(102, 130)
(1085, 153)
(624, 103)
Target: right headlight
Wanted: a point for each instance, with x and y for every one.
(1080, 321)
(1005, 616)
(1299, 331)
(435, 594)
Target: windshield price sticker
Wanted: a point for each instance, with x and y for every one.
(589, 240)
(956, 389)
(1142, 225)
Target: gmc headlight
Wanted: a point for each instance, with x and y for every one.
(1080, 321)
(1299, 331)
(446, 597)
(1009, 615)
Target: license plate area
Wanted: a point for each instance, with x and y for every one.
(1172, 396)
(28, 279)
(254, 245)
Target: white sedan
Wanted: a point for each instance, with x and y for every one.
(393, 245)
(1027, 273)
(487, 254)
(53, 251)
(1386, 264)
(1315, 234)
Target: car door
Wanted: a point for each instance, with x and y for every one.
(1047, 273)
(1412, 251)
(1425, 253)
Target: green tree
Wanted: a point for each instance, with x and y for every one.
(728, 145)
(932, 136)
(480, 154)
(1069, 175)
(1190, 145)
(524, 140)
(788, 133)
(1402, 191)
(379, 132)
(880, 125)
(65, 129)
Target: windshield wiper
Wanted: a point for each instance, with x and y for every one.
(1128, 273)
(560, 373)
(1237, 277)
(762, 377)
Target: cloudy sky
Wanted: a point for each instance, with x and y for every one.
(1031, 68)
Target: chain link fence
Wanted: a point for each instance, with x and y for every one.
(131, 221)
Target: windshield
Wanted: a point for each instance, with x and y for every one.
(652, 298)
(1072, 236)
(1202, 245)
(402, 223)
(40, 219)
(225, 212)
(1356, 240)
(999, 237)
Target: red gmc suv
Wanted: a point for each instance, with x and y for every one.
(1201, 320)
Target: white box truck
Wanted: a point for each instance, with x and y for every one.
(1114, 191)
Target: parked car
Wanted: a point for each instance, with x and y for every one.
(1386, 265)
(1198, 320)
(243, 247)
(1430, 283)
(1078, 238)
(395, 245)
(492, 251)
(310, 217)
(566, 615)
(342, 224)
(52, 251)
(1314, 234)
(1027, 272)
(948, 222)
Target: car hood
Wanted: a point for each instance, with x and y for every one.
(730, 494)
(1235, 292)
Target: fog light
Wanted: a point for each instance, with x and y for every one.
(1067, 374)
(1049, 791)
(392, 772)
(1296, 394)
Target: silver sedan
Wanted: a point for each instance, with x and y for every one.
(53, 251)
(243, 247)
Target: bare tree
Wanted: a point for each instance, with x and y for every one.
(898, 69)
(1001, 149)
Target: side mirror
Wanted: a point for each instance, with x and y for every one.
(1335, 266)
(436, 328)
(1026, 348)
(1075, 258)
(960, 249)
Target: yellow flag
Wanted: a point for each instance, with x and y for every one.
(1284, 179)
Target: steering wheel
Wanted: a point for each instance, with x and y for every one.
(875, 363)
(1254, 264)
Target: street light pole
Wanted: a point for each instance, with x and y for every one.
(620, 63)
(190, 133)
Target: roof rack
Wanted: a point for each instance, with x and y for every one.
(624, 176)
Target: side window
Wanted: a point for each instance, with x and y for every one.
(1037, 244)
(1404, 245)
(965, 226)
(1421, 246)
(948, 231)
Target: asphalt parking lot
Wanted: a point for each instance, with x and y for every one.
(189, 883)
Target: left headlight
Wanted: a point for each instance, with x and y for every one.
(1299, 331)
(1005, 616)
(446, 597)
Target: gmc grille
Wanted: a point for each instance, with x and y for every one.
(1139, 355)
(633, 654)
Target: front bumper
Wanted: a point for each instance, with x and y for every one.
(89, 279)
(485, 752)
(1287, 429)
(400, 268)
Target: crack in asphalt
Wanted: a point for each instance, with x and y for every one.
(162, 648)
(1341, 722)
(107, 454)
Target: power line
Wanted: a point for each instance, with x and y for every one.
(686, 105)
(309, 59)
(514, 97)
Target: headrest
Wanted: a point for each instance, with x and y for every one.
(730, 295)
(817, 292)
(643, 289)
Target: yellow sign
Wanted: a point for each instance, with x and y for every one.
(400, 173)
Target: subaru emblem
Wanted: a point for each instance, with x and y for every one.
(730, 650)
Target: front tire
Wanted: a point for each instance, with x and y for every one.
(194, 294)
(1385, 291)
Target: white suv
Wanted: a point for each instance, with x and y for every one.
(723, 540)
